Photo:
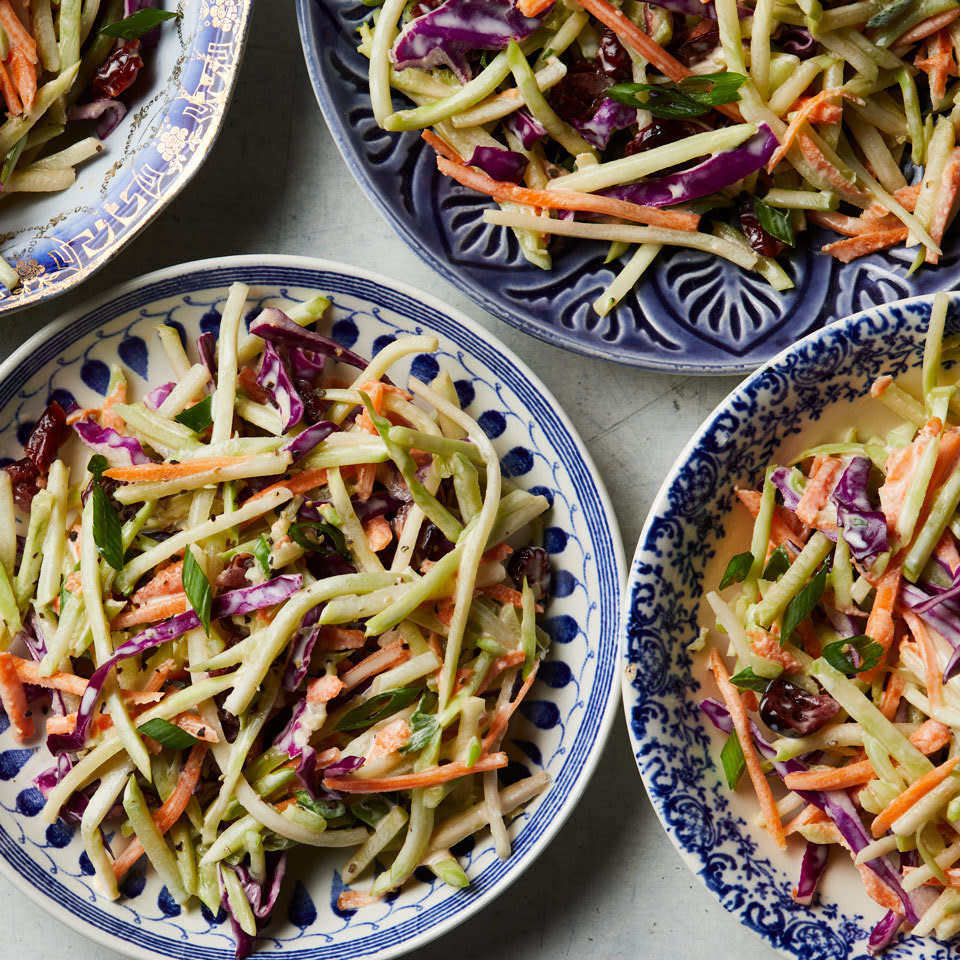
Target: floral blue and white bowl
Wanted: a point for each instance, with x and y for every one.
(57, 240)
(564, 720)
(805, 395)
(692, 312)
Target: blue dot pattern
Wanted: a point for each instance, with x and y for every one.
(513, 772)
(133, 883)
(220, 916)
(59, 834)
(210, 322)
(554, 540)
(168, 906)
(96, 375)
(4, 722)
(181, 331)
(133, 352)
(561, 629)
(492, 423)
(86, 867)
(345, 332)
(544, 492)
(24, 430)
(29, 802)
(564, 583)
(541, 713)
(64, 397)
(424, 367)
(250, 316)
(517, 462)
(465, 392)
(381, 342)
(554, 673)
(301, 912)
(12, 761)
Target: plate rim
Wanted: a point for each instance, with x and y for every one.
(11, 303)
(838, 328)
(610, 711)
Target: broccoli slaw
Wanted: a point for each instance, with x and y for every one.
(279, 605)
(843, 706)
(722, 127)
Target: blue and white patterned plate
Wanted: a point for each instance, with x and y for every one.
(57, 240)
(693, 313)
(564, 721)
(805, 395)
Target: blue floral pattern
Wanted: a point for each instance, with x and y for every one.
(562, 726)
(57, 242)
(714, 830)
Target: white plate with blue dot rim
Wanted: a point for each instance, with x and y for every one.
(805, 395)
(561, 727)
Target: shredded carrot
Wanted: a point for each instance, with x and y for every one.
(929, 737)
(196, 727)
(324, 689)
(741, 723)
(916, 791)
(880, 625)
(495, 554)
(766, 645)
(566, 199)
(29, 672)
(67, 723)
(905, 196)
(937, 64)
(892, 694)
(150, 612)
(301, 482)
(877, 890)
(158, 472)
(821, 112)
(814, 156)
(108, 418)
(815, 493)
(158, 678)
(441, 146)
(952, 873)
(14, 698)
(9, 91)
(499, 725)
(170, 811)
(390, 739)
(430, 777)
(927, 27)
(933, 677)
(379, 533)
(512, 659)
(809, 814)
(24, 76)
(802, 116)
(17, 33)
(332, 639)
(383, 659)
(781, 531)
(852, 226)
(945, 199)
(356, 899)
(247, 379)
(866, 243)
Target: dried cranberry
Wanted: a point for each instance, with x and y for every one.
(119, 71)
(431, 545)
(762, 242)
(46, 437)
(531, 564)
(577, 96)
(23, 477)
(234, 575)
(613, 58)
(792, 711)
(314, 405)
(663, 131)
(698, 44)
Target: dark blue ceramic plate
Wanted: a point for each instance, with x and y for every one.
(693, 313)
